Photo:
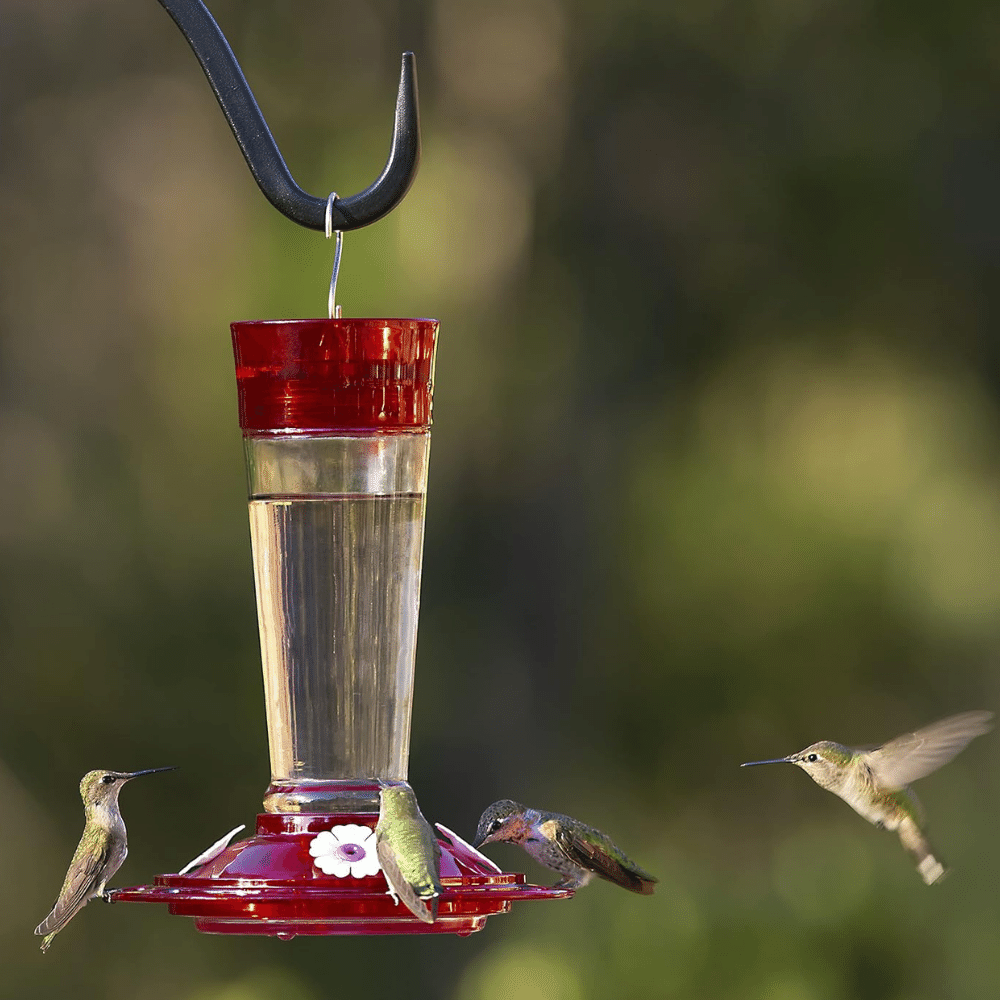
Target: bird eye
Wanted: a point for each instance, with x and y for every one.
(812, 758)
(108, 779)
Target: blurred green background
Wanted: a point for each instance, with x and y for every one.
(715, 472)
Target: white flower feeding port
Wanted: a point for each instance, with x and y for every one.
(346, 850)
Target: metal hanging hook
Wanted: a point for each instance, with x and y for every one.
(333, 310)
(260, 150)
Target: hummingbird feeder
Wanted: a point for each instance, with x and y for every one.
(336, 418)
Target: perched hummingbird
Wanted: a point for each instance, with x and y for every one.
(408, 852)
(873, 780)
(101, 850)
(577, 851)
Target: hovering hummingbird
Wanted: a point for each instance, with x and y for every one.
(101, 850)
(874, 780)
(408, 852)
(577, 851)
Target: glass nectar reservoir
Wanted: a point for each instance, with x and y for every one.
(336, 422)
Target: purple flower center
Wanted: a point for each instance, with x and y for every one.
(350, 852)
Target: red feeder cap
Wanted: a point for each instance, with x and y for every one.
(318, 375)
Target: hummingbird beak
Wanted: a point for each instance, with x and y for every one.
(151, 770)
(777, 760)
(490, 839)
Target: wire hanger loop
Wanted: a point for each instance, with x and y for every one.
(333, 309)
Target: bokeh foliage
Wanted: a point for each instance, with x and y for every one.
(715, 469)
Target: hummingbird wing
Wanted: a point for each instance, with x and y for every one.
(408, 851)
(83, 882)
(410, 859)
(596, 852)
(914, 755)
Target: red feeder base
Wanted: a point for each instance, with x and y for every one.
(270, 884)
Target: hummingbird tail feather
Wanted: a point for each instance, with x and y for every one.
(424, 909)
(931, 870)
(46, 941)
(646, 886)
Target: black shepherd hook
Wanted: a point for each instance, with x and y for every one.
(260, 150)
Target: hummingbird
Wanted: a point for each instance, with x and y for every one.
(577, 851)
(408, 852)
(874, 781)
(100, 853)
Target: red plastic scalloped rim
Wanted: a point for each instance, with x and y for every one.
(268, 884)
